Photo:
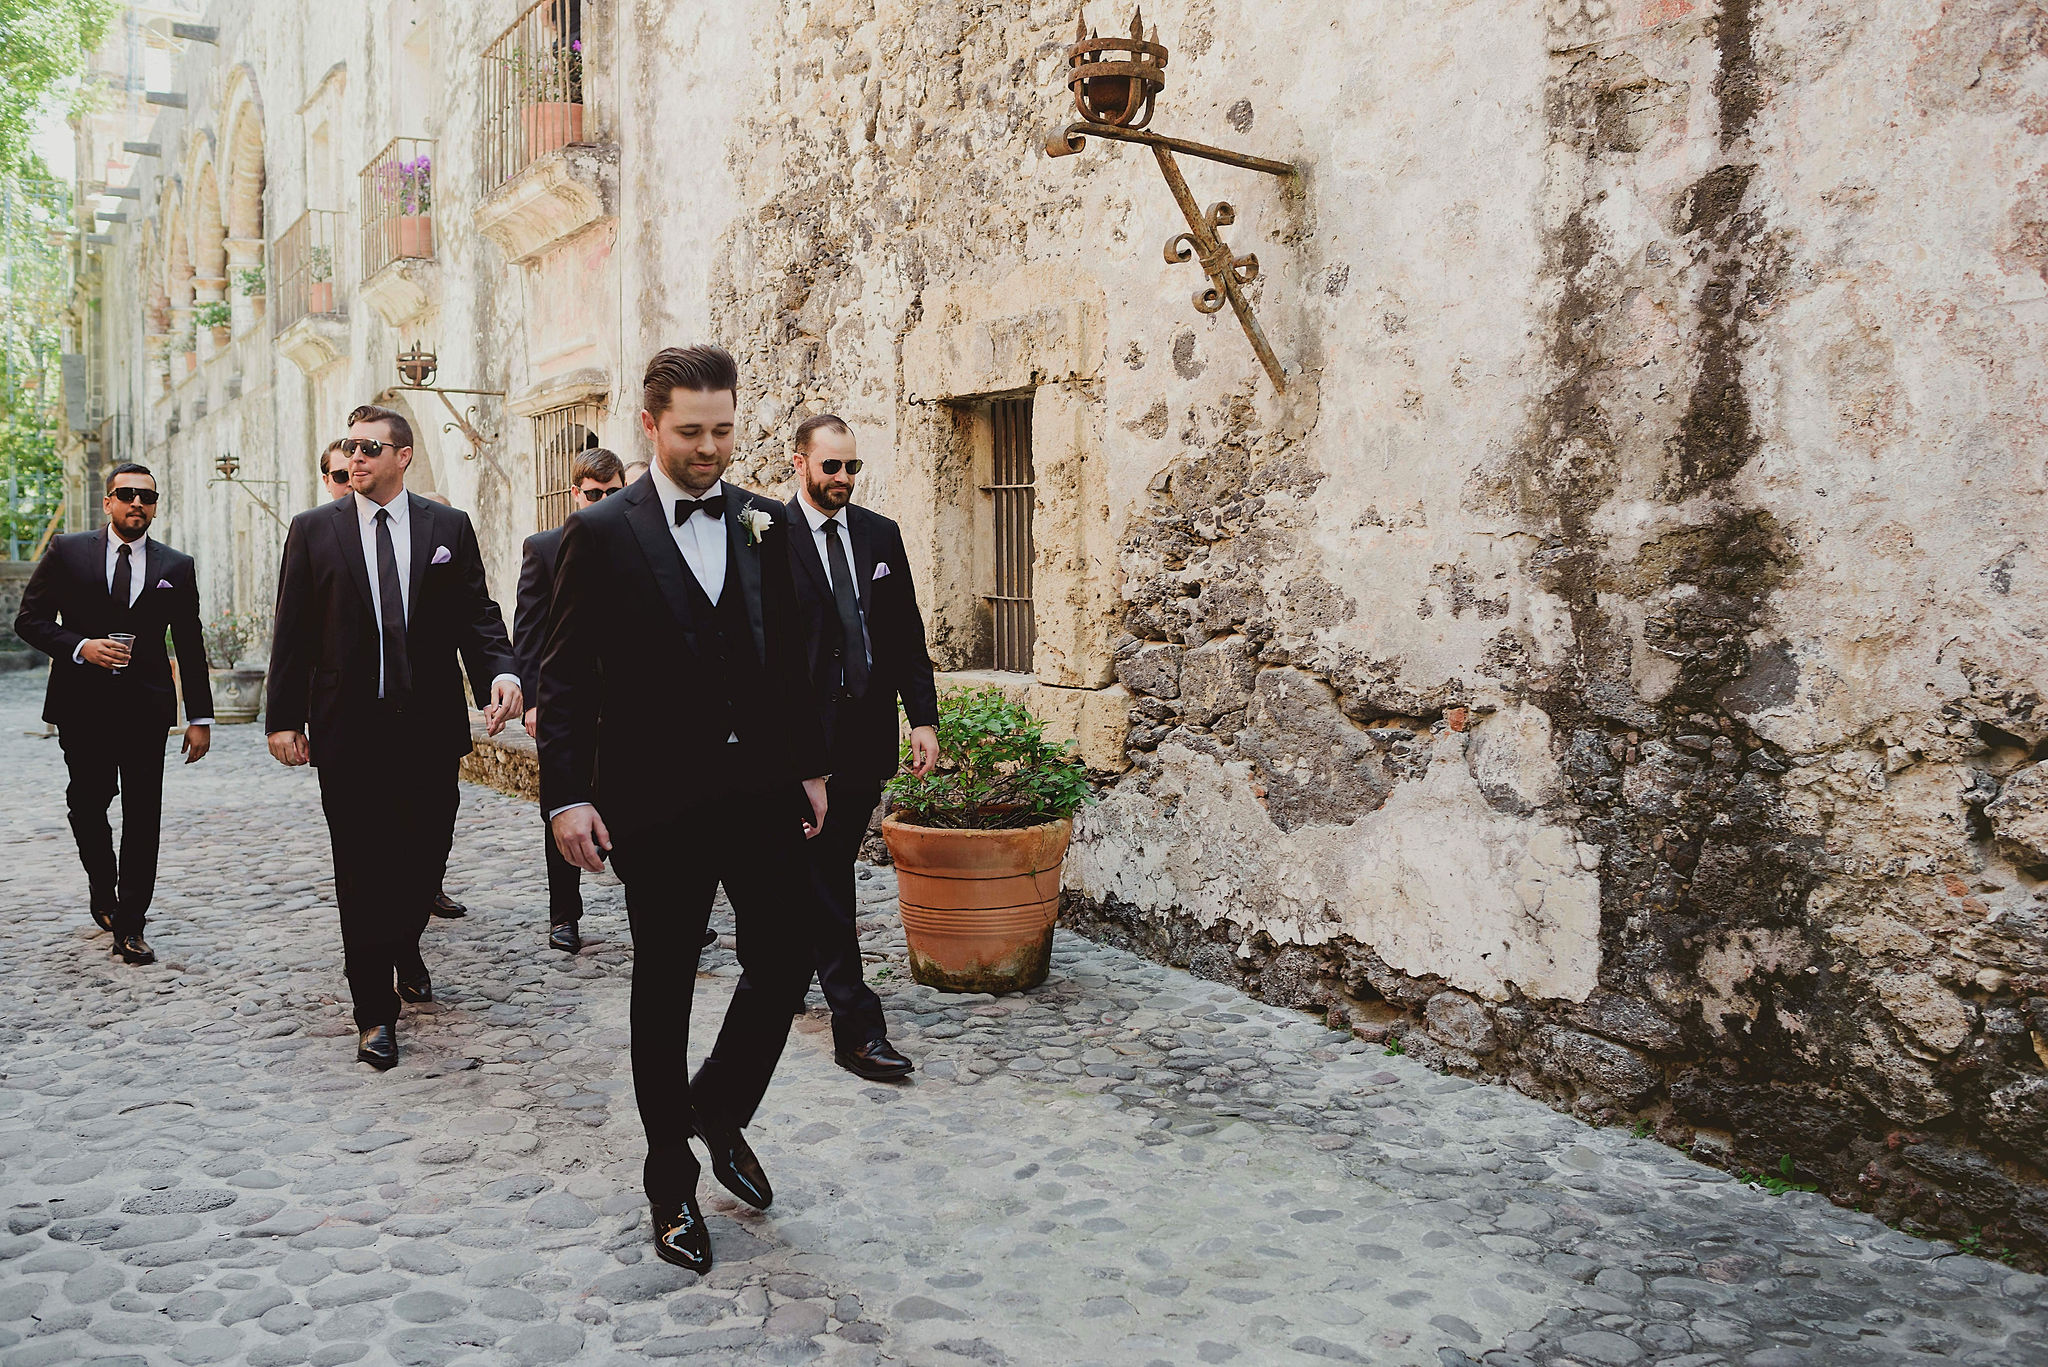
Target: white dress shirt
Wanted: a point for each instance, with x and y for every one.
(138, 557)
(700, 539)
(401, 552)
(818, 521)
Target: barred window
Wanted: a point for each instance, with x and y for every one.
(558, 435)
(1011, 489)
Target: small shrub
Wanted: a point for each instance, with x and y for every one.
(229, 636)
(214, 315)
(996, 771)
(251, 281)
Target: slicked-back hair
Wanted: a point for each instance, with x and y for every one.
(332, 447)
(128, 467)
(401, 430)
(826, 422)
(704, 369)
(595, 463)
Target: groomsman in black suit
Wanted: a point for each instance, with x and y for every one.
(679, 735)
(593, 475)
(112, 700)
(378, 594)
(867, 649)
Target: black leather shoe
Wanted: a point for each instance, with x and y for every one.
(447, 907)
(681, 1236)
(134, 949)
(734, 1164)
(420, 989)
(565, 936)
(103, 919)
(877, 1061)
(378, 1046)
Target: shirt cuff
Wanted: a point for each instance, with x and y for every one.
(199, 721)
(78, 653)
(513, 679)
(569, 808)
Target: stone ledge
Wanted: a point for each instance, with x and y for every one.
(314, 342)
(559, 195)
(1097, 720)
(403, 289)
(508, 761)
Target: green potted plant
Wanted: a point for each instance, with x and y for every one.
(252, 284)
(979, 844)
(237, 685)
(550, 86)
(218, 318)
(320, 274)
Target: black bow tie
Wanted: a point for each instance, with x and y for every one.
(712, 507)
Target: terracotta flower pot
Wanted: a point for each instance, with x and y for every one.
(411, 235)
(320, 297)
(549, 124)
(979, 906)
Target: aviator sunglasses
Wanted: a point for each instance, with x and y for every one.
(831, 467)
(128, 493)
(363, 446)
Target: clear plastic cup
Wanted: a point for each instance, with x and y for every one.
(125, 641)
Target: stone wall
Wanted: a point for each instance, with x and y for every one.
(14, 576)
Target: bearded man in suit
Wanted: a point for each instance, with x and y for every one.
(679, 736)
(378, 595)
(98, 605)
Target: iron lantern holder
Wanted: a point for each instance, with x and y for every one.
(1115, 82)
(231, 473)
(416, 376)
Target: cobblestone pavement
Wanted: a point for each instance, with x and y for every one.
(1128, 1166)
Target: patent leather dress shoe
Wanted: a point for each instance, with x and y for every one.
(681, 1236)
(734, 1164)
(447, 907)
(134, 949)
(420, 989)
(103, 919)
(877, 1061)
(378, 1047)
(565, 936)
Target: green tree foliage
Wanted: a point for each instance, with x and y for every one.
(43, 49)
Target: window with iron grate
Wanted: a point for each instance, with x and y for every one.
(558, 435)
(1012, 493)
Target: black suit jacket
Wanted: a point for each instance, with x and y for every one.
(862, 732)
(538, 556)
(626, 680)
(323, 651)
(67, 602)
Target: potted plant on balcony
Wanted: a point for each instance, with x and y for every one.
(979, 844)
(237, 687)
(550, 86)
(251, 281)
(218, 318)
(320, 277)
(412, 229)
(186, 344)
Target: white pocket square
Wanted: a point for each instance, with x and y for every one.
(441, 556)
(163, 583)
(881, 569)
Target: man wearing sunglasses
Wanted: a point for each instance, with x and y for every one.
(867, 648)
(378, 595)
(334, 469)
(98, 605)
(594, 474)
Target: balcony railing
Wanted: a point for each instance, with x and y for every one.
(533, 89)
(398, 204)
(305, 264)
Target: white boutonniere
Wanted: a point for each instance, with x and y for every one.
(757, 524)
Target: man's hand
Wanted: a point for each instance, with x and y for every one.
(924, 749)
(198, 740)
(504, 706)
(531, 721)
(579, 835)
(814, 789)
(104, 653)
(288, 747)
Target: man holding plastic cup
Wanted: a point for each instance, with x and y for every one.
(99, 605)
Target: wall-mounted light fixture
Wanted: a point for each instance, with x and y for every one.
(230, 473)
(1115, 81)
(416, 374)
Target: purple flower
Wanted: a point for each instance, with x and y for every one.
(576, 46)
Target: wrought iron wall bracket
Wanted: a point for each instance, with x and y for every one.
(1115, 78)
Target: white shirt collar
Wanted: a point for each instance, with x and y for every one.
(114, 543)
(670, 491)
(816, 518)
(366, 508)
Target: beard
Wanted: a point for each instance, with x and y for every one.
(830, 497)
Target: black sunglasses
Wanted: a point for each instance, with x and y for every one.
(129, 493)
(597, 495)
(363, 446)
(831, 467)
(338, 476)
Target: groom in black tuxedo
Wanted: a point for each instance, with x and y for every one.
(112, 702)
(867, 648)
(378, 594)
(679, 735)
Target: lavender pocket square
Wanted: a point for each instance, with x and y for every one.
(441, 556)
(881, 569)
(163, 583)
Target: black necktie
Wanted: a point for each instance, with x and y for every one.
(124, 581)
(391, 613)
(854, 662)
(712, 507)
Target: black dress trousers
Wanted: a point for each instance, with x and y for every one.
(835, 938)
(124, 756)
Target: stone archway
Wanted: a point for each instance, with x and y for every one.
(209, 247)
(243, 186)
